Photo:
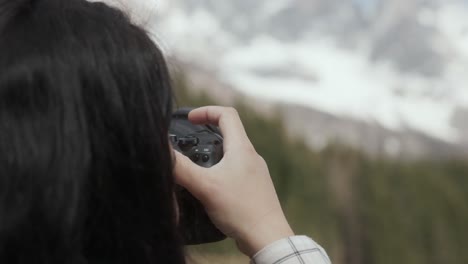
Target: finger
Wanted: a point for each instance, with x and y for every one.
(228, 121)
(190, 176)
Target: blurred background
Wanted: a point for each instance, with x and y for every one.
(360, 107)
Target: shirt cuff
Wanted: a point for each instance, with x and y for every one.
(292, 250)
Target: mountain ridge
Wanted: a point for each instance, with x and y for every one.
(318, 129)
(396, 63)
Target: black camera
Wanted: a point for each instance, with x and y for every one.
(203, 144)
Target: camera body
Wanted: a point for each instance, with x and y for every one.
(203, 144)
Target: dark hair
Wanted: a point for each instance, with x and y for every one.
(85, 163)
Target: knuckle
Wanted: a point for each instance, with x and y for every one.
(232, 111)
(250, 151)
(247, 147)
(254, 158)
(261, 162)
(257, 166)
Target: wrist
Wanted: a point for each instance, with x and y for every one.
(272, 228)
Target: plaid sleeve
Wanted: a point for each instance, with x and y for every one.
(292, 250)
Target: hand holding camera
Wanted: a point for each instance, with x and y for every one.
(237, 193)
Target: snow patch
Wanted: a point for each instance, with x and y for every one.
(349, 85)
(345, 82)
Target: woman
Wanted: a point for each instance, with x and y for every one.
(86, 170)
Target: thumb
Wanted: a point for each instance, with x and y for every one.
(190, 176)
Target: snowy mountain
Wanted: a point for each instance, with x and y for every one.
(401, 64)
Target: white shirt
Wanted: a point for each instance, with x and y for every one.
(292, 250)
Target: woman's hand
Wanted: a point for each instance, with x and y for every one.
(237, 193)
